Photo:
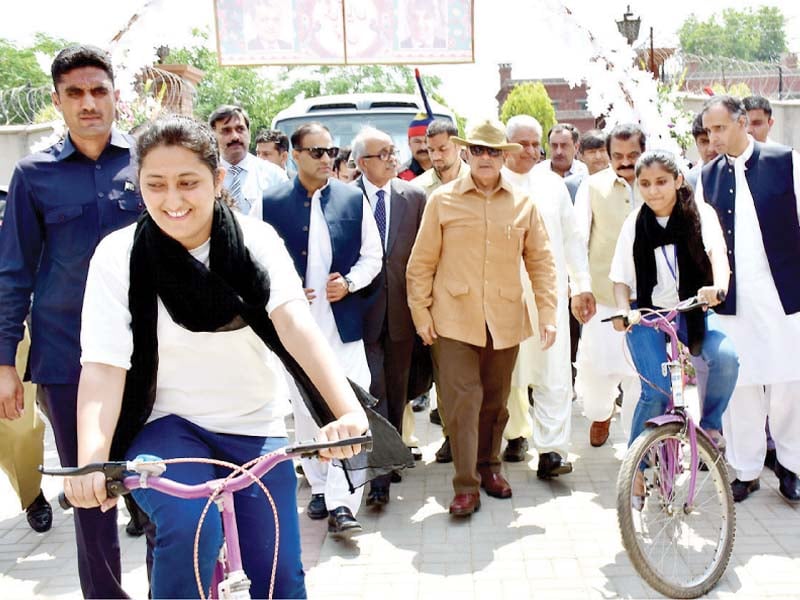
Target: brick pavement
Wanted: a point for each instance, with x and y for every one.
(551, 540)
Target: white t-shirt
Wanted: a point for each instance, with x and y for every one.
(225, 382)
(665, 292)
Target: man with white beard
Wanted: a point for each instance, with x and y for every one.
(546, 373)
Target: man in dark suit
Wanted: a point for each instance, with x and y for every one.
(388, 329)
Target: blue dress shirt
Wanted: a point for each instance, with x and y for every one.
(60, 205)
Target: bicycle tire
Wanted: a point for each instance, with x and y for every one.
(633, 540)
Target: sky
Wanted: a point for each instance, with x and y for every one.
(521, 32)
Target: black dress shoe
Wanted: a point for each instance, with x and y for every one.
(435, 417)
(552, 465)
(516, 450)
(789, 486)
(420, 403)
(316, 507)
(40, 514)
(416, 452)
(342, 524)
(378, 497)
(742, 489)
(395, 476)
(444, 454)
(771, 460)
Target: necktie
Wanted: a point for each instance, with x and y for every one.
(380, 215)
(236, 189)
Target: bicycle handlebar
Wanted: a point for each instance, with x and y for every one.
(634, 317)
(116, 471)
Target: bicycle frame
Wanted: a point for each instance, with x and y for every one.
(676, 406)
(229, 579)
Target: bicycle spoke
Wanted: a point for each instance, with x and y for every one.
(679, 549)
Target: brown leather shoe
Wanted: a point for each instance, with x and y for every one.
(463, 505)
(598, 432)
(495, 484)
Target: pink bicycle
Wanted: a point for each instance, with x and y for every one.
(229, 579)
(679, 536)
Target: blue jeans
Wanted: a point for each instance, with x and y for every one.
(176, 519)
(648, 350)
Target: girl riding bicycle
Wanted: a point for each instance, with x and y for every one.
(672, 249)
(176, 314)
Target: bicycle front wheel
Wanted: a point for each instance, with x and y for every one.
(680, 549)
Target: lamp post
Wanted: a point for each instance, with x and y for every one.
(629, 27)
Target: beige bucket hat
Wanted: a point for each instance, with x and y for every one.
(491, 134)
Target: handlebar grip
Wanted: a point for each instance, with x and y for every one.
(114, 489)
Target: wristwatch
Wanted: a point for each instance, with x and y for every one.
(350, 285)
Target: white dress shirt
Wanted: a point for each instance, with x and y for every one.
(257, 176)
(372, 196)
(576, 167)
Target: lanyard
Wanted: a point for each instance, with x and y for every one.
(673, 266)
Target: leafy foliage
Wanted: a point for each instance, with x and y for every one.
(748, 34)
(19, 65)
(530, 99)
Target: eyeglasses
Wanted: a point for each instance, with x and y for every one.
(478, 151)
(317, 152)
(384, 155)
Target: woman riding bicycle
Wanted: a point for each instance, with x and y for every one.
(175, 317)
(672, 249)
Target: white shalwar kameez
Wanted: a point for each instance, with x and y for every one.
(766, 340)
(603, 361)
(548, 372)
(325, 479)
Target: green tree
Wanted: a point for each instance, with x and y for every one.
(530, 99)
(19, 65)
(264, 98)
(225, 85)
(24, 86)
(748, 34)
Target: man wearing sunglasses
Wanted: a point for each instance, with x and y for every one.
(465, 295)
(333, 240)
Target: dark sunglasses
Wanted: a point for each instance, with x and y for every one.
(478, 151)
(317, 152)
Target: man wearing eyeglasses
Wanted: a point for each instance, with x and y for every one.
(333, 240)
(465, 295)
(388, 329)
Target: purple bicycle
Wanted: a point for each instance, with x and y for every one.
(229, 579)
(674, 501)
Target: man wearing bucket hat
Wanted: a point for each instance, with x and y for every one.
(465, 296)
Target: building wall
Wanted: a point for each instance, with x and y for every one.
(16, 142)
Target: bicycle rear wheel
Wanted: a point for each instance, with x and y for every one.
(680, 550)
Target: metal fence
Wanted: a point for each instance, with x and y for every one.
(694, 74)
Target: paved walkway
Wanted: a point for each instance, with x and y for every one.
(551, 540)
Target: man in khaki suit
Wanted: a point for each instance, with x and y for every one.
(465, 296)
(22, 446)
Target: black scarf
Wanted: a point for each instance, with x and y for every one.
(682, 230)
(229, 294)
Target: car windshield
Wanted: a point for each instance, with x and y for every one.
(344, 127)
